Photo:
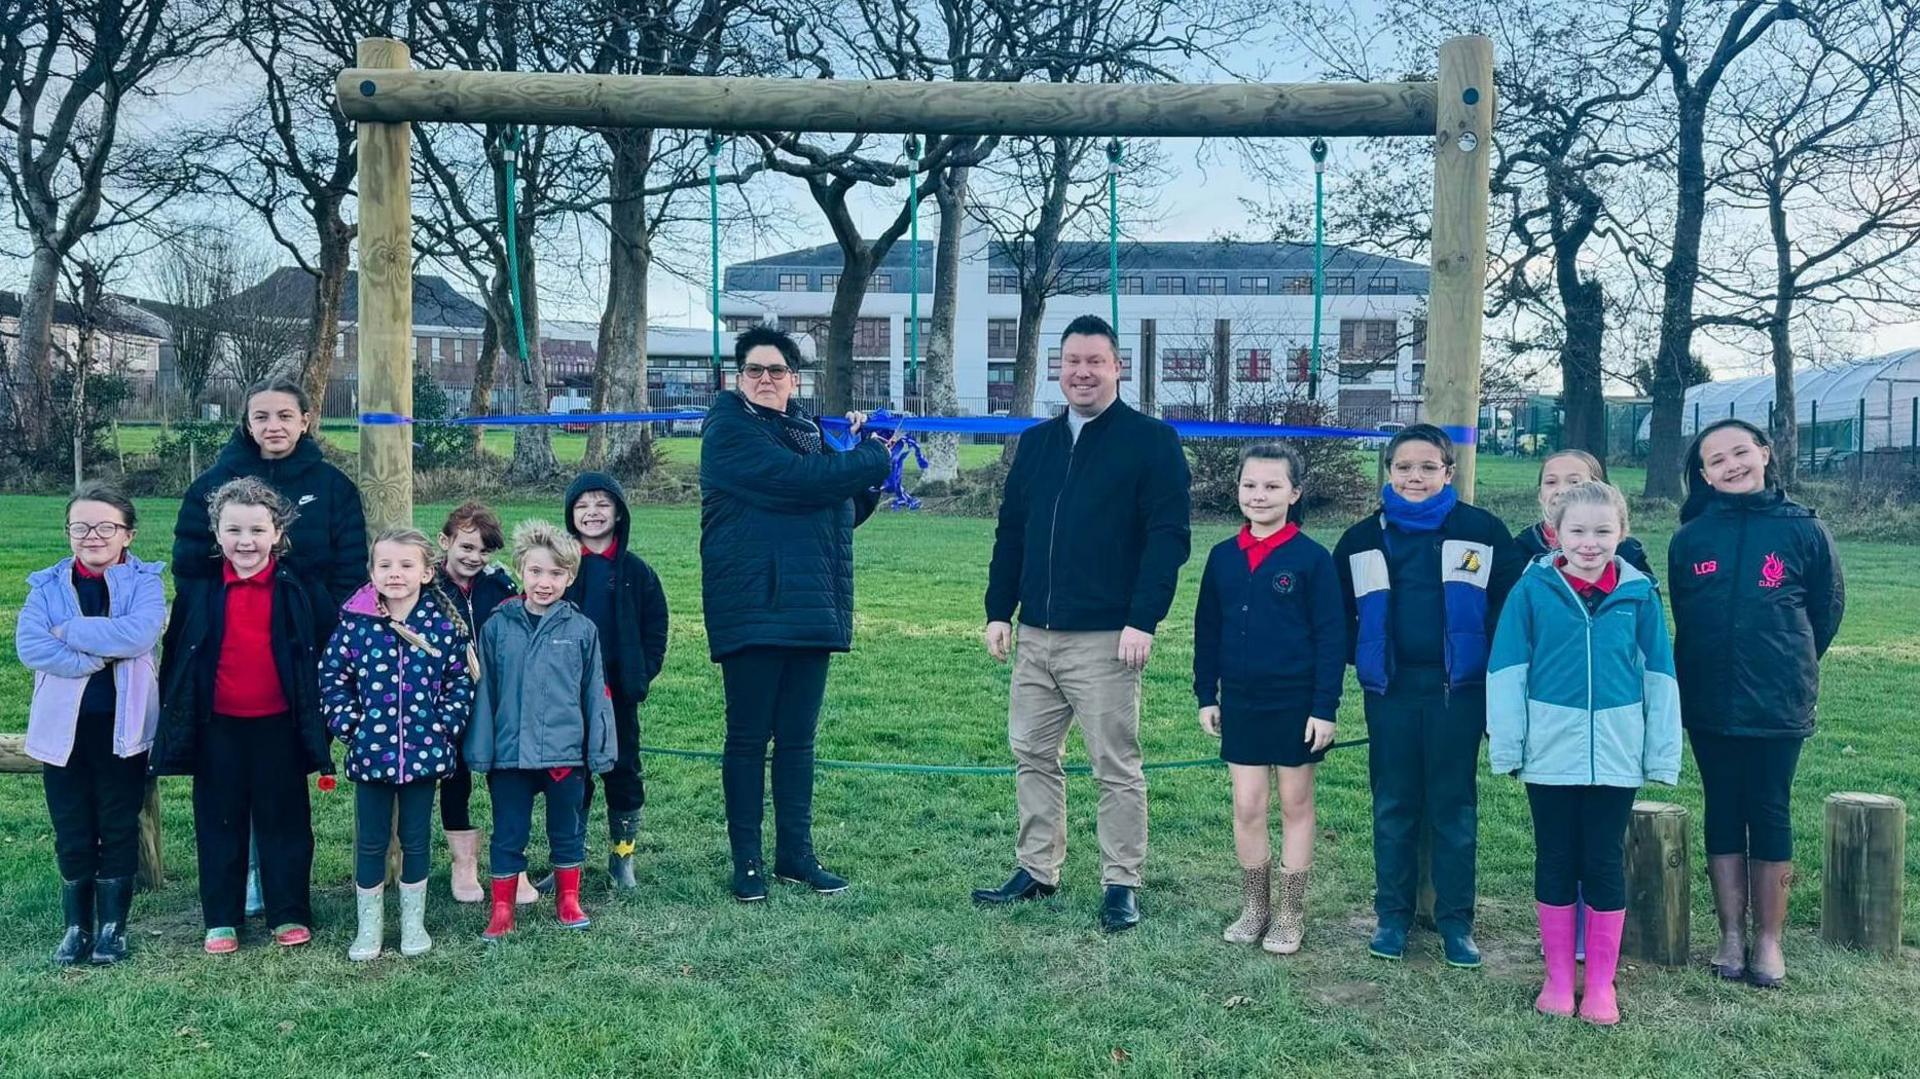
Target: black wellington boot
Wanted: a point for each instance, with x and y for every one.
(76, 902)
(115, 899)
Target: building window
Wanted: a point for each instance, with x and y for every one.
(740, 323)
(1384, 286)
(1419, 340)
(793, 282)
(1003, 337)
(1170, 286)
(1417, 378)
(873, 337)
(1253, 365)
(872, 384)
(999, 387)
(1298, 286)
(422, 351)
(1300, 366)
(1211, 286)
(1369, 341)
(1133, 286)
(1257, 286)
(881, 282)
(1003, 283)
(1184, 365)
(829, 282)
(449, 350)
(1340, 286)
(1352, 374)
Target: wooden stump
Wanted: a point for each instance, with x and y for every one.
(1659, 884)
(1423, 893)
(1863, 882)
(152, 871)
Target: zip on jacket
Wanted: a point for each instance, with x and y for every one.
(127, 638)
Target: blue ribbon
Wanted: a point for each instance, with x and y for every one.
(884, 420)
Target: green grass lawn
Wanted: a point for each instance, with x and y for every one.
(901, 974)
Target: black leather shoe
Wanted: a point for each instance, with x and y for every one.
(76, 902)
(1120, 910)
(749, 881)
(1020, 887)
(115, 899)
(810, 872)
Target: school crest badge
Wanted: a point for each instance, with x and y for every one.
(1284, 582)
(1469, 562)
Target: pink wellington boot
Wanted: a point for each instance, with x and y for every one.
(1556, 944)
(1598, 1004)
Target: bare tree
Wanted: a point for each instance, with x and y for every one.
(68, 72)
(465, 170)
(196, 275)
(1822, 144)
(288, 155)
(1693, 77)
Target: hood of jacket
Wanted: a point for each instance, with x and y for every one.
(241, 455)
(600, 481)
(126, 571)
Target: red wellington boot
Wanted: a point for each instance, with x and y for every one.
(500, 916)
(566, 894)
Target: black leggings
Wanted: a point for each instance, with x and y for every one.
(773, 695)
(375, 822)
(456, 797)
(1578, 835)
(1748, 784)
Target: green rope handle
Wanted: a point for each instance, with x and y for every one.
(514, 141)
(713, 250)
(913, 269)
(1318, 150)
(1113, 230)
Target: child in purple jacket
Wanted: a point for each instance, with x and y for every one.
(89, 631)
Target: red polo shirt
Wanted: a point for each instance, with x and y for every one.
(246, 684)
(1258, 549)
(1609, 579)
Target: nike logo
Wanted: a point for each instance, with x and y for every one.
(304, 499)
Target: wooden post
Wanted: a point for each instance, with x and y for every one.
(1456, 296)
(386, 304)
(370, 92)
(152, 872)
(153, 862)
(1659, 884)
(1863, 882)
(1423, 893)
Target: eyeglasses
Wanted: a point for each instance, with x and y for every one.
(758, 371)
(1424, 468)
(106, 530)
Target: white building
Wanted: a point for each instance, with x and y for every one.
(1181, 306)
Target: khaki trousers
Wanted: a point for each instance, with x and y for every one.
(1058, 678)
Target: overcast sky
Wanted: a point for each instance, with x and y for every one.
(1206, 200)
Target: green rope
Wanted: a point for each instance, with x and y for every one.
(1318, 150)
(959, 769)
(512, 150)
(1113, 230)
(913, 270)
(713, 249)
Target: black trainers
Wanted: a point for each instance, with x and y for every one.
(749, 881)
(810, 872)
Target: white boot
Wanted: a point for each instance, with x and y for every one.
(413, 920)
(372, 904)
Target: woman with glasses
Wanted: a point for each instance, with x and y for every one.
(778, 505)
(1423, 580)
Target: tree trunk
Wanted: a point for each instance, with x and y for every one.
(1682, 272)
(323, 333)
(1026, 356)
(486, 369)
(1786, 428)
(533, 460)
(833, 386)
(620, 369)
(1222, 368)
(936, 374)
(1582, 384)
(36, 344)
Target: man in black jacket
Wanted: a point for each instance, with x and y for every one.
(621, 594)
(1093, 531)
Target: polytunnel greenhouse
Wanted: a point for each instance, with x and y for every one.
(1869, 406)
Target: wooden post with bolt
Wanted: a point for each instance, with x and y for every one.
(386, 302)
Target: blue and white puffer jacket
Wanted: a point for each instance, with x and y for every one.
(1579, 699)
(398, 708)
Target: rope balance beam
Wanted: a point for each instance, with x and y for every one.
(706, 103)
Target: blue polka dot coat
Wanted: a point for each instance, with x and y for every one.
(399, 708)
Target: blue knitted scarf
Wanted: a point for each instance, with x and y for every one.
(1425, 516)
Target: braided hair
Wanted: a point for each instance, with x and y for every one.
(430, 554)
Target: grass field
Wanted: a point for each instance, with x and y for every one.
(900, 974)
